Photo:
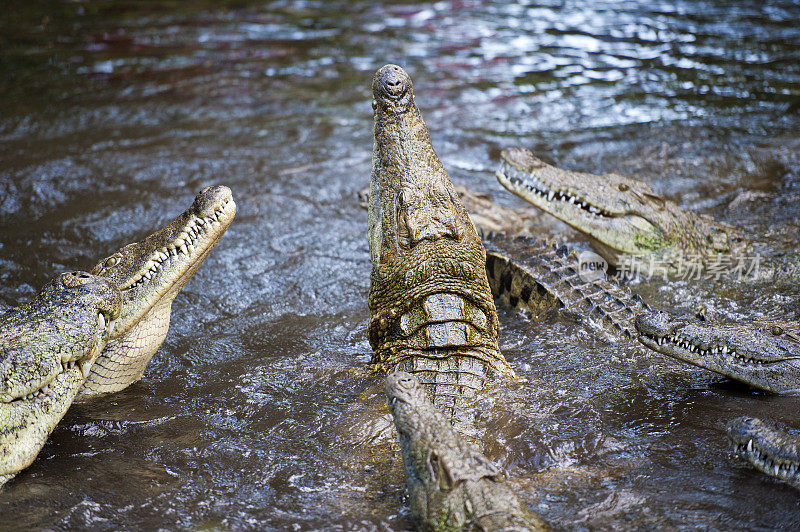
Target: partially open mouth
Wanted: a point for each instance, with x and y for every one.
(530, 187)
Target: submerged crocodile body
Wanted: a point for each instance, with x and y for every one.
(432, 312)
(452, 485)
(763, 354)
(624, 217)
(150, 273)
(47, 348)
(537, 276)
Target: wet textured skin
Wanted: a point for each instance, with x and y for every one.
(622, 215)
(431, 309)
(768, 447)
(762, 354)
(539, 276)
(47, 348)
(150, 273)
(452, 485)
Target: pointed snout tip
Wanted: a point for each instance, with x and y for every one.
(391, 82)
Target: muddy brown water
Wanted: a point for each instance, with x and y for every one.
(251, 416)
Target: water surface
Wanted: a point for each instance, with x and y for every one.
(113, 115)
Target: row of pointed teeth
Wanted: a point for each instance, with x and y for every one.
(688, 345)
(182, 245)
(782, 470)
(65, 366)
(534, 185)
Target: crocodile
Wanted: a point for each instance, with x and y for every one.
(623, 217)
(431, 309)
(452, 484)
(48, 346)
(150, 273)
(763, 354)
(432, 314)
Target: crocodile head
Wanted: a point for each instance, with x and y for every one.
(47, 347)
(150, 273)
(764, 355)
(451, 484)
(413, 206)
(769, 448)
(437, 460)
(623, 215)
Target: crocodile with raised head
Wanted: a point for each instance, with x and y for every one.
(47, 348)
(763, 354)
(431, 308)
(452, 485)
(622, 215)
(150, 273)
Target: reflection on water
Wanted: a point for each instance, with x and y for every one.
(114, 114)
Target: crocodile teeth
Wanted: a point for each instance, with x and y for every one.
(101, 320)
(750, 446)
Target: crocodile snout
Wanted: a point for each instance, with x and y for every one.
(391, 82)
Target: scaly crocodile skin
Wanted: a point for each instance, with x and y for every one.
(47, 347)
(537, 276)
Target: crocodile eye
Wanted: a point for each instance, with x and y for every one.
(702, 314)
(622, 187)
(111, 261)
(776, 330)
